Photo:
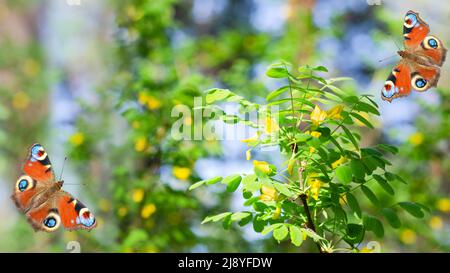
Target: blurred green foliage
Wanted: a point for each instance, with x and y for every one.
(137, 175)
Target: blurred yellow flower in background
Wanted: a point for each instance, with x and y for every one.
(20, 100)
(76, 139)
(136, 124)
(338, 162)
(122, 211)
(318, 116)
(153, 103)
(436, 223)
(268, 193)
(416, 139)
(138, 195)
(408, 237)
(248, 154)
(148, 210)
(316, 134)
(262, 166)
(140, 144)
(315, 185)
(271, 125)
(443, 204)
(181, 173)
(31, 67)
(276, 213)
(335, 112)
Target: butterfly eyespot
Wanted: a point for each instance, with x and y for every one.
(419, 83)
(389, 89)
(431, 42)
(51, 222)
(24, 183)
(38, 152)
(86, 218)
(410, 20)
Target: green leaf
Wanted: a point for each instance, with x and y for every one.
(280, 233)
(283, 189)
(277, 92)
(216, 218)
(320, 68)
(232, 182)
(391, 217)
(213, 180)
(196, 185)
(250, 183)
(296, 235)
(388, 148)
(353, 204)
(268, 229)
(365, 107)
(354, 234)
(237, 216)
(370, 195)
(344, 174)
(277, 71)
(412, 208)
(350, 136)
(362, 119)
(358, 169)
(216, 94)
(374, 225)
(384, 184)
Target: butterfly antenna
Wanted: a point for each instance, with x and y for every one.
(392, 39)
(387, 58)
(62, 170)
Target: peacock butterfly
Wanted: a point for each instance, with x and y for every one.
(39, 196)
(422, 58)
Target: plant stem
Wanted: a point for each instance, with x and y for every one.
(310, 222)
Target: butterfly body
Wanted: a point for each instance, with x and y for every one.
(38, 195)
(419, 68)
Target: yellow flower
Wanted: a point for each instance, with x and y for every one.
(316, 134)
(315, 187)
(338, 162)
(416, 139)
(31, 67)
(318, 116)
(271, 125)
(436, 223)
(77, 139)
(143, 97)
(262, 166)
(138, 195)
(343, 200)
(140, 144)
(408, 237)
(181, 173)
(136, 124)
(443, 204)
(248, 154)
(122, 211)
(366, 250)
(290, 166)
(312, 150)
(276, 213)
(250, 140)
(153, 103)
(104, 205)
(268, 193)
(20, 100)
(335, 112)
(148, 210)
